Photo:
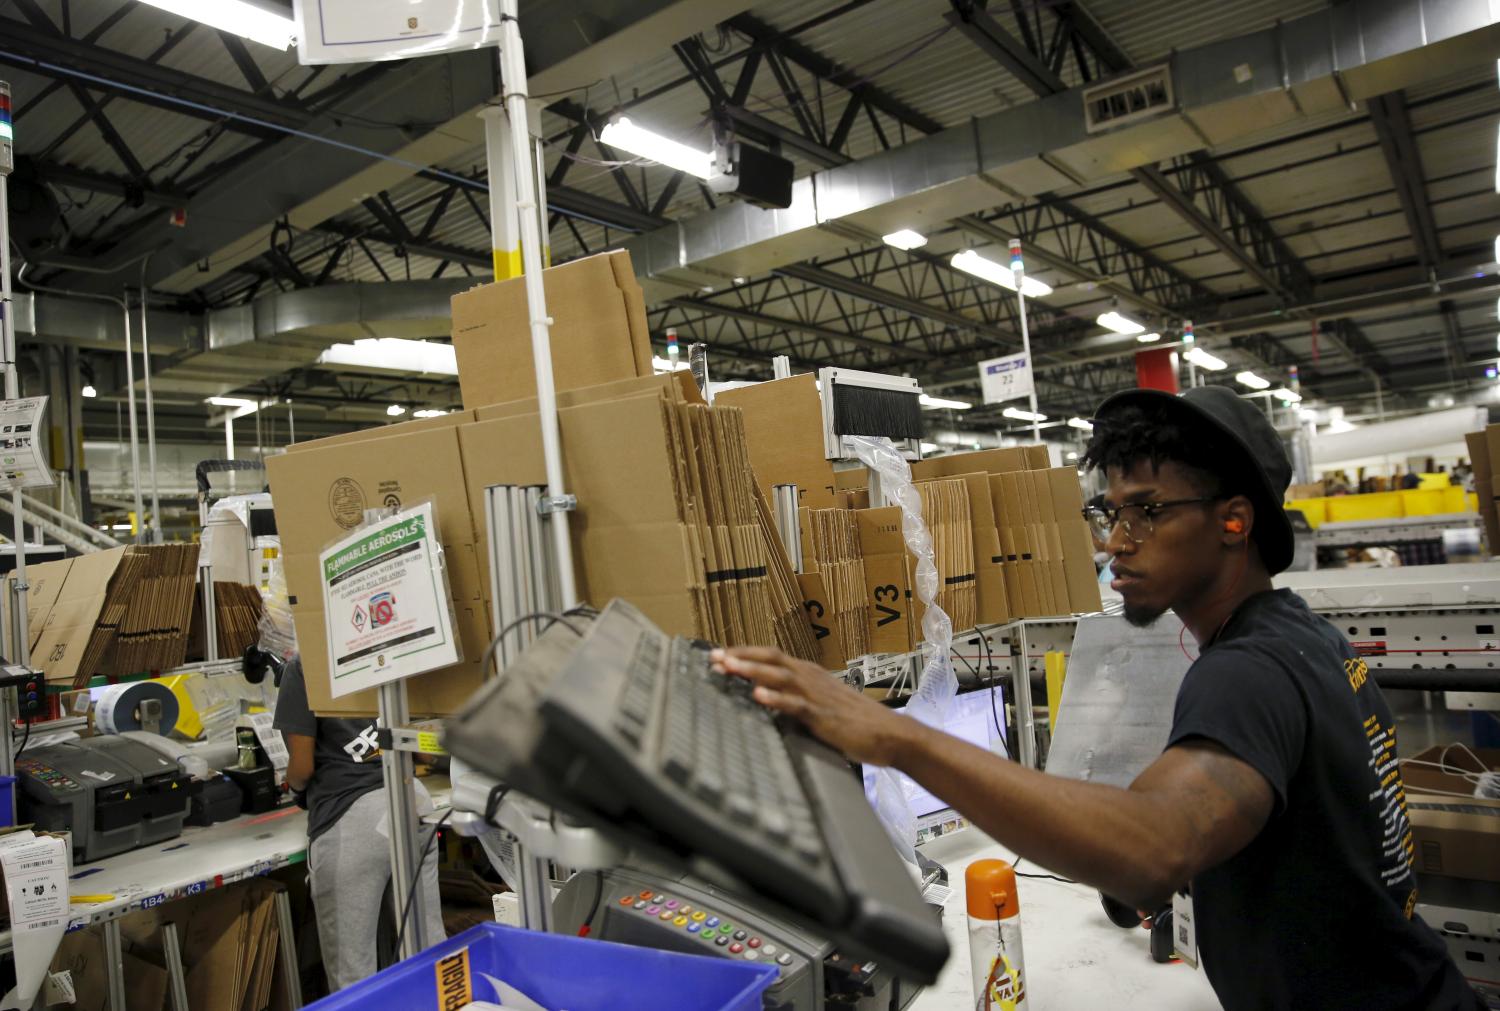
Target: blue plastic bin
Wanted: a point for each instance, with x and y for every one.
(561, 973)
(7, 801)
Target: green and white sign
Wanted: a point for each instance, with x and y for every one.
(386, 603)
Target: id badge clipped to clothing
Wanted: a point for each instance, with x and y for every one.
(1184, 931)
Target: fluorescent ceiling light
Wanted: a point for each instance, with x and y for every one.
(1148, 338)
(1204, 360)
(395, 410)
(89, 391)
(905, 238)
(1286, 396)
(1119, 324)
(971, 262)
(624, 134)
(1020, 415)
(1251, 380)
(236, 17)
(235, 402)
(937, 403)
(394, 354)
(428, 412)
(660, 364)
(1082, 424)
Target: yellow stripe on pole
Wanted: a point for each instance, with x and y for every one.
(507, 263)
(1057, 673)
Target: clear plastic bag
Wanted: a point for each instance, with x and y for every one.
(937, 684)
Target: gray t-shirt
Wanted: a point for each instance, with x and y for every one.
(346, 756)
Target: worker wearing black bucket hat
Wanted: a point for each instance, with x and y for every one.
(1278, 797)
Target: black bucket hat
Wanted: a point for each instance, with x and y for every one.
(1245, 429)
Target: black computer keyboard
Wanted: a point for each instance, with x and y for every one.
(637, 730)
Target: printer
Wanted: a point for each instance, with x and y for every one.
(112, 793)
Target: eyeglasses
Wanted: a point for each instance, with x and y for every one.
(1135, 517)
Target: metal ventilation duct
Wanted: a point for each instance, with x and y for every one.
(1220, 92)
(227, 349)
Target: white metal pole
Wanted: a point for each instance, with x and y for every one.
(1018, 270)
(154, 531)
(513, 74)
(135, 432)
(505, 237)
(21, 646)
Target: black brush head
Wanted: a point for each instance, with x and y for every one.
(862, 410)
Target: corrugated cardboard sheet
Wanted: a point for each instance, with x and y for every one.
(598, 331)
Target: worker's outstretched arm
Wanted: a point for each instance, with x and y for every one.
(1196, 806)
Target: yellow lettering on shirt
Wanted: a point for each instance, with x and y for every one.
(1357, 671)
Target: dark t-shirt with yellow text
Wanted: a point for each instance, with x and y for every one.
(1317, 911)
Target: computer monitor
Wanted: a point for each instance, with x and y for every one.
(977, 717)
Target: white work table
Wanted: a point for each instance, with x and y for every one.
(1075, 958)
(199, 860)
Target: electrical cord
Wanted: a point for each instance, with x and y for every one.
(588, 923)
(1049, 877)
(411, 893)
(25, 738)
(498, 641)
(989, 652)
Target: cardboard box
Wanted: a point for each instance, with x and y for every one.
(1076, 544)
(1313, 489)
(992, 603)
(321, 492)
(59, 642)
(887, 583)
(1484, 485)
(1455, 836)
(1018, 540)
(987, 461)
(784, 430)
(598, 332)
(831, 652)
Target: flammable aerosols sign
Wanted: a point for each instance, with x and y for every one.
(386, 604)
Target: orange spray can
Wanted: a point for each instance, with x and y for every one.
(995, 961)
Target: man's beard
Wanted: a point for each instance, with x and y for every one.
(1140, 616)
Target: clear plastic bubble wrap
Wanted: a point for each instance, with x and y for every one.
(938, 684)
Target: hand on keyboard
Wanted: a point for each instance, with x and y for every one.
(863, 729)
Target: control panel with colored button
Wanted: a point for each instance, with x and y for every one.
(716, 934)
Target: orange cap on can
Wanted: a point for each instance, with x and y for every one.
(990, 888)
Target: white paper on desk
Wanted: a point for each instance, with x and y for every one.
(270, 740)
(36, 886)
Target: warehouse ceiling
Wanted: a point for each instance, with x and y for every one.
(1352, 241)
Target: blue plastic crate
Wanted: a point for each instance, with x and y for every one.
(561, 973)
(7, 800)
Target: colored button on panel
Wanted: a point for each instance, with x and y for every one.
(658, 897)
(665, 914)
(671, 903)
(754, 942)
(739, 935)
(640, 903)
(721, 940)
(769, 950)
(646, 894)
(653, 910)
(752, 955)
(699, 916)
(684, 909)
(713, 921)
(736, 948)
(680, 921)
(693, 928)
(628, 900)
(783, 959)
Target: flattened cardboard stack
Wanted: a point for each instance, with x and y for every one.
(237, 610)
(118, 612)
(833, 584)
(945, 507)
(149, 611)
